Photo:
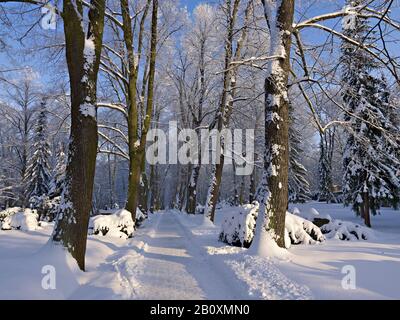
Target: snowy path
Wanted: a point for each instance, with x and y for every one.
(176, 256)
(165, 264)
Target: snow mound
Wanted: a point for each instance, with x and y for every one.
(238, 227)
(334, 228)
(266, 281)
(27, 220)
(345, 230)
(310, 214)
(140, 217)
(9, 212)
(118, 224)
(302, 231)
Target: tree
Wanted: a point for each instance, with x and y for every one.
(57, 181)
(137, 149)
(200, 40)
(37, 175)
(299, 187)
(371, 162)
(83, 58)
(272, 192)
(327, 145)
(19, 113)
(233, 53)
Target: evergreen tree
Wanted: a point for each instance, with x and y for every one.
(57, 181)
(37, 175)
(299, 187)
(371, 162)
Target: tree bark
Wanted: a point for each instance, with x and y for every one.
(150, 97)
(137, 142)
(83, 58)
(367, 215)
(273, 190)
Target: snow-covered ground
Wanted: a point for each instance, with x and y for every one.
(175, 256)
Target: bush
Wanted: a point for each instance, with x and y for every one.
(336, 229)
(8, 212)
(345, 230)
(27, 220)
(119, 224)
(238, 228)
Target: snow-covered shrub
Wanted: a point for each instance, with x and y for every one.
(8, 212)
(46, 207)
(238, 228)
(345, 230)
(302, 231)
(118, 224)
(27, 220)
(313, 215)
(336, 229)
(140, 217)
(199, 209)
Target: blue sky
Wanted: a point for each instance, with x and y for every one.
(308, 7)
(191, 4)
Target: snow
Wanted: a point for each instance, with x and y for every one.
(345, 230)
(18, 218)
(9, 211)
(265, 281)
(118, 224)
(238, 227)
(302, 231)
(349, 21)
(176, 256)
(89, 53)
(88, 110)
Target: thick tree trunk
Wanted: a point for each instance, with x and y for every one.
(143, 192)
(83, 57)
(273, 190)
(137, 143)
(149, 103)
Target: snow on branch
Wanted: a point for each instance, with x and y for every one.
(113, 106)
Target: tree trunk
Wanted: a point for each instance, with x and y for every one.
(194, 177)
(273, 190)
(226, 104)
(143, 192)
(192, 189)
(83, 57)
(367, 215)
(137, 144)
(241, 194)
(252, 191)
